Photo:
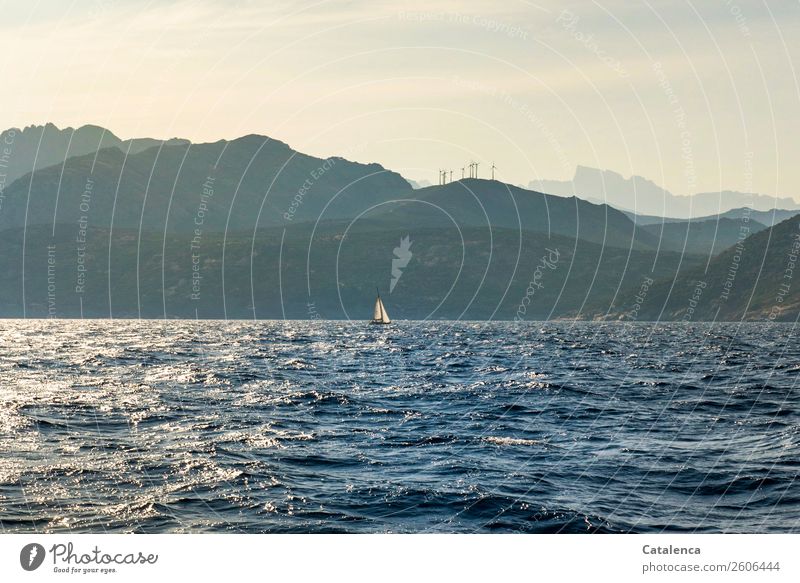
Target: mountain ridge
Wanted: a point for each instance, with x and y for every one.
(254, 228)
(752, 280)
(642, 196)
(39, 146)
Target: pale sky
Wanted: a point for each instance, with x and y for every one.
(696, 96)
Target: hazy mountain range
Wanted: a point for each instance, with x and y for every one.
(252, 228)
(36, 147)
(767, 218)
(226, 185)
(644, 197)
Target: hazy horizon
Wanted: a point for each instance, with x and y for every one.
(418, 183)
(694, 98)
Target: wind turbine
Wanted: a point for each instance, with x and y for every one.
(476, 169)
(462, 173)
(451, 176)
(493, 169)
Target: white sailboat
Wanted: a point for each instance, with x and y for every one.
(379, 315)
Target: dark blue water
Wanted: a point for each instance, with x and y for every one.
(418, 427)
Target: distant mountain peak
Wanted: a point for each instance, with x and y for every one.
(645, 197)
(38, 146)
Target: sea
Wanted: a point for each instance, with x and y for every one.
(417, 427)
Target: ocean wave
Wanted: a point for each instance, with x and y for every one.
(511, 441)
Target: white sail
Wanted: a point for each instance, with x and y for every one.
(379, 314)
